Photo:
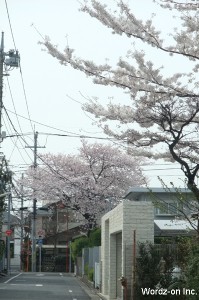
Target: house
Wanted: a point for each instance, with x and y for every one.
(56, 224)
(142, 215)
(169, 208)
(55, 227)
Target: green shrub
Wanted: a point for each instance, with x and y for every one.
(90, 274)
(2, 248)
(86, 270)
(95, 237)
(93, 240)
(150, 271)
(78, 245)
(192, 270)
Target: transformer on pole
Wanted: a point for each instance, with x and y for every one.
(8, 61)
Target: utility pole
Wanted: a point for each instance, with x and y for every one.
(8, 228)
(9, 60)
(22, 220)
(1, 77)
(35, 147)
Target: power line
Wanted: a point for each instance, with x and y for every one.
(10, 24)
(48, 126)
(70, 134)
(22, 80)
(80, 136)
(25, 96)
(13, 104)
(17, 132)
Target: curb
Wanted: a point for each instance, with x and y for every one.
(93, 294)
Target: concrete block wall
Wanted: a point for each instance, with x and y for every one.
(105, 255)
(139, 218)
(127, 217)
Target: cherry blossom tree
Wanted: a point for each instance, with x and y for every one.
(89, 183)
(161, 120)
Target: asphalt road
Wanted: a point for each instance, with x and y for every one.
(44, 286)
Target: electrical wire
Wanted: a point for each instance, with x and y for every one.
(21, 74)
(12, 140)
(11, 96)
(10, 24)
(42, 124)
(25, 96)
(17, 133)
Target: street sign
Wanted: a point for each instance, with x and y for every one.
(8, 232)
(40, 242)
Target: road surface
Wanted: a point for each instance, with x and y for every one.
(44, 286)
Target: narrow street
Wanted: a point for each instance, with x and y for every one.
(45, 286)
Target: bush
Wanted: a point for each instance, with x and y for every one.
(90, 274)
(78, 245)
(192, 270)
(2, 248)
(86, 269)
(95, 237)
(93, 240)
(153, 269)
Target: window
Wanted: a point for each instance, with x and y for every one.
(166, 209)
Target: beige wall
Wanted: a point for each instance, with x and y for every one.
(118, 227)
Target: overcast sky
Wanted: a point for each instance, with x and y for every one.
(49, 87)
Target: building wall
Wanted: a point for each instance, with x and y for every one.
(118, 227)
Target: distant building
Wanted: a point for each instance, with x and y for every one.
(15, 244)
(169, 207)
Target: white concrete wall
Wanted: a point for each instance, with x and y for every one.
(127, 217)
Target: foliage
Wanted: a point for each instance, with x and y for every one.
(86, 269)
(150, 272)
(95, 237)
(192, 270)
(185, 255)
(183, 250)
(87, 182)
(78, 245)
(2, 248)
(90, 274)
(93, 240)
(162, 115)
